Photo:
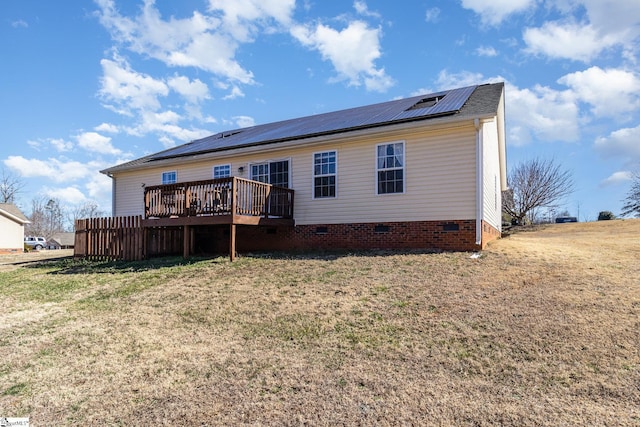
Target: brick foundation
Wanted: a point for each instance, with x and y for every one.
(459, 235)
(11, 251)
(489, 233)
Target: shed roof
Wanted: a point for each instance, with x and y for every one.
(461, 103)
(63, 239)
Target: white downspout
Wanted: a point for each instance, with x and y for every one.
(113, 195)
(479, 182)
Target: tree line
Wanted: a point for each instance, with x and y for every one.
(48, 214)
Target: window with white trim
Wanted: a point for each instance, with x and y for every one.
(169, 177)
(324, 174)
(221, 171)
(390, 168)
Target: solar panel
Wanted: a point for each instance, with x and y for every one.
(436, 104)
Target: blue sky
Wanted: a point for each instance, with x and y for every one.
(86, 85)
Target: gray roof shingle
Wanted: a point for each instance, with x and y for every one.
(13, 210)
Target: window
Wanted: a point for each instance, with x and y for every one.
(390, 168)
(169, 177)
(221, 171)
(324, 174)
(275, 173)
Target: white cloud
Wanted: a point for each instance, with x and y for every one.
(432, 15)
(34, 144)
(96, 143)
(20, 23)
(240, 17)
(60, 144)
(128, 88)
(166, 125)
(361, 7)
(622, 143)
(352, 51)
(99, 188)
(493, 12)
(57, 143)
(53, 169)
(193, 91)
(207, 42)
(107, 127)
(567, 41)
(244, 121)
(486, 51)
(448, 80)
(236, 92)
(610, 92)
(547, 114)
(540, 112)
(68, 195)
(617, 178)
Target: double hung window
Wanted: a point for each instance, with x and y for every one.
(390, 168)
(324, 174)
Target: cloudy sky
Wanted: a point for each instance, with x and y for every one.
(86, 85)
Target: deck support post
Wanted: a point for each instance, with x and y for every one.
(186, 241)
(232, 242)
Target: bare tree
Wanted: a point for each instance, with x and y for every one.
(632, 201)
(47, 217)
(10, 187)
(535, 184)
(89, 209)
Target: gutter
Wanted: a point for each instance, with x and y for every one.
(479, 186)
(14, 218)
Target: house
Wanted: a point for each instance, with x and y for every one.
(12, 222)
(417, 173)
(61, 241)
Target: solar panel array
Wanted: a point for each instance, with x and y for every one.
(448, 102)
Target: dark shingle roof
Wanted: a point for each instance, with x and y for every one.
(462, 103)
(63, 239)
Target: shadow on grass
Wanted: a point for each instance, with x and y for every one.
(332, 255)
(69, 265)
(74, 266)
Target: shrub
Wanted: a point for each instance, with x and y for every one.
(606, 215)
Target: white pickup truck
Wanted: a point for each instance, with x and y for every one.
(35, 242)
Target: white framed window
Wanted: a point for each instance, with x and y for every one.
(170, 177)
(221, 171)
(274, 173)
(390, 174)
(325, 170)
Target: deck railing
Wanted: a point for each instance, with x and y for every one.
(222, 196)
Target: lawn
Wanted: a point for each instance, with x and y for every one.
(542, 329)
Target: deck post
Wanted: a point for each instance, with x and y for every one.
(232, 242)
(186, 241)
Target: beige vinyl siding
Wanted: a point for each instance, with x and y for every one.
(12, 236)
(492, 200)
(439, 179)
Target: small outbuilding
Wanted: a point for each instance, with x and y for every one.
(61, 241)
(12, 222)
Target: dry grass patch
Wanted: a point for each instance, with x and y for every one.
(543, 329)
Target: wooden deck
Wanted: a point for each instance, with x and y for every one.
(233, 201)
(218, 201)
